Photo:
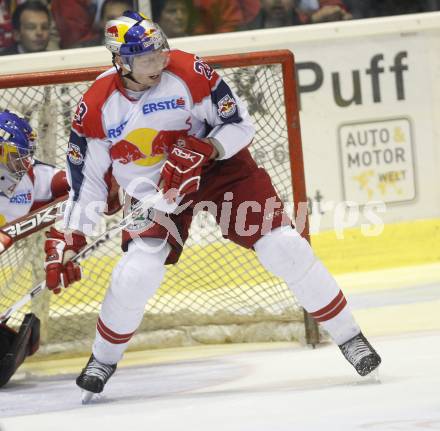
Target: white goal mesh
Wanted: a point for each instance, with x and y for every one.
(218, 292)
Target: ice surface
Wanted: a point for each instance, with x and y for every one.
(278, 388)
(289, 388)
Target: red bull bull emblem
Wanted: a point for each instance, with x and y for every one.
(227, 107)
(164, 140)
(113, 31)
(74, 154)
(125, 152)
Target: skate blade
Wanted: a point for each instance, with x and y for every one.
(374, 376)
(86, 396)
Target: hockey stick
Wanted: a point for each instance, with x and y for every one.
(140, 207)
(27, 225)
(5, 241)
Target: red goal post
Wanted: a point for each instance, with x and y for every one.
(267, 81)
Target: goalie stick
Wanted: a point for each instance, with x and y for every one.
(28, 224)
(140, 207)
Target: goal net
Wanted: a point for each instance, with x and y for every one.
(218, 292)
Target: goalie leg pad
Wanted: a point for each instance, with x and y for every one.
(7, 336)
(22, 344)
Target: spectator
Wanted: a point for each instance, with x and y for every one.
(176, 17)
(250, 11)
(315, 11)
(74, 20)
(6, 35)
(31, 23)
(111, 9)
(330, 10)
(218, 16)
(279, 13)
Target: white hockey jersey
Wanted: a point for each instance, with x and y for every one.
(131, 135)
(40, 185)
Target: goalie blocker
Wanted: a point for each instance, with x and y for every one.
(16, 346)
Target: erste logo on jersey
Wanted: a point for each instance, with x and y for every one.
(21, 198)
(81, 111)
(203, 68)
(175, 102)
(116, 131)
(74, 154)
(227, 106)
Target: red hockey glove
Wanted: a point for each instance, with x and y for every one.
(60, 270)
(184, 166)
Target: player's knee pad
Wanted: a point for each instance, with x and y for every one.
(286, 254)
(139, 273)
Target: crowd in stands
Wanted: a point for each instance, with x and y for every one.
(40, 25)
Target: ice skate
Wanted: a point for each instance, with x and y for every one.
(93, 378)
(359, 352)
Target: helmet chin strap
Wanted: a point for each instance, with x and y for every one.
(128, 75)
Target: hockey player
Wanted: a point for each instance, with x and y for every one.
(25, 185)
(166, 117)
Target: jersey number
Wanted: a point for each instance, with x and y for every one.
(203, 68)
(80, 113)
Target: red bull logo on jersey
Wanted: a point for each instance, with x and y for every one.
(227, 106)
(74, 154)
(163, 105)
(145, 147)
(125, 152)
(142, 147)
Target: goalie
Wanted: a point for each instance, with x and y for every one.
(25, 185)
(166, 118)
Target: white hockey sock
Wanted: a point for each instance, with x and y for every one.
(287, 255)
(134, 281)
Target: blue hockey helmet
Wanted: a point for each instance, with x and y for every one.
(17, 132)
(17, 147)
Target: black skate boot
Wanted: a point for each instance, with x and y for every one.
(360, 354)
(93, 378)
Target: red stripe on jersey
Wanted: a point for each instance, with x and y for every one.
(199, 76)
(110, 336)
(88, 117)
(332, 309)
